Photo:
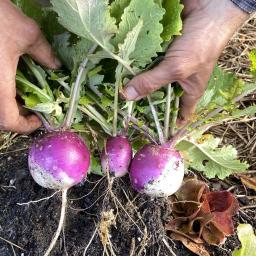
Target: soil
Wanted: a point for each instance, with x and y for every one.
(127, 223)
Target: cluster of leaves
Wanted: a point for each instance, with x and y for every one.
(127, 35)
(203, 215)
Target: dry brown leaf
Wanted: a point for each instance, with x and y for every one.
(249, 182)
(198, 249)
(202, 214)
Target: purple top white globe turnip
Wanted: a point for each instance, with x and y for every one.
(59, 160)
(116, 156)
(157, 171)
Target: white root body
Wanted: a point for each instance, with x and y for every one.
(61, 222)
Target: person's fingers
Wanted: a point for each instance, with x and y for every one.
(12, 120)
(41, 51)
(150, 81)
(27, 124)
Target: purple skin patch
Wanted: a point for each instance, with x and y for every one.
(116, 157)
(59, 156)
(151, 163)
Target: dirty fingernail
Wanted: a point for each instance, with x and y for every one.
(131, 93)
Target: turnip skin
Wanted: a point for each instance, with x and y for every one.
(116, 156)
(157, 171)
(59, 160)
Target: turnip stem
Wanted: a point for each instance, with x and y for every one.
(117, 85)
(174, 114)
(61, 222)
(97, 118)
(129, 112)
(180, 134)
(75, 92)
(46, 124)
(157, 122)
(167, 111)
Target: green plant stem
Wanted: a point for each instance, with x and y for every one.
(184, 131)
(97, 118)
(174, 114)
(75, 92)
(41, 80)
(167, 111)
(157, 122)
(117, 85)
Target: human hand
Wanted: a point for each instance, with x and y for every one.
(208, 26)
(18, 35)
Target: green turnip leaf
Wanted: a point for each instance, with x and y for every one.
(149, 40)
(206, 156)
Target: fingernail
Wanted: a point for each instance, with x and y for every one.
(131, 93)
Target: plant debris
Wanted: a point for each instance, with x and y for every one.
(201, 215)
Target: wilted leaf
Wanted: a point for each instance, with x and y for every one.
(248, 181)
(196, 248)
(247, 238)
(200, 214)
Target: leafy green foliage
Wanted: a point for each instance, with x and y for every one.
(88, 19)
(206, 156)
(221, 90)
(172, 22)
(149, 40)
(117, 8)
(71, 54)
(128, 33)
(247, 238)
(128, 47)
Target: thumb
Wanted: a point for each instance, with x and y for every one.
(150, 81)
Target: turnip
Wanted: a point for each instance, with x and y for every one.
(157, 170)
(60, 159)
(117, 153)
(116, 156)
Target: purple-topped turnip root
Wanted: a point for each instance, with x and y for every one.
(116, 156)
(157, 171)
(59, 160)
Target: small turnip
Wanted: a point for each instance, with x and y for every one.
(116, 156)
(156, 170)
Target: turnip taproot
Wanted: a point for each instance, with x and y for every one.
(156, 170)
(116, 156)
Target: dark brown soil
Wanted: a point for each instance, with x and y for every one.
(139, 227)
